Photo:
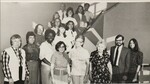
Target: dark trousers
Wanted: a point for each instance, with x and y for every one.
(16, 82)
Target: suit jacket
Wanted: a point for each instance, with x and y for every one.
(124, 60)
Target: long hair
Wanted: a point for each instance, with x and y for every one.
(36, 28)
(77, 11)
(69, 9)
(136, 48)
(67, 28)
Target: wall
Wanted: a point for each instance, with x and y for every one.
(130, 20)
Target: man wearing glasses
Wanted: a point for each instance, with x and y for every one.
(120, 59)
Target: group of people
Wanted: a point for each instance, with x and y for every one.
(58, 56)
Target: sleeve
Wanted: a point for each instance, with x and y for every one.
(41, 52)
(140, 58)
(5, 62)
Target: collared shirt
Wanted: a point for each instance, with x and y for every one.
(65, 20)
(88, 15)
(11, 63)
(79, 58)
(119, 52)
(46, 51)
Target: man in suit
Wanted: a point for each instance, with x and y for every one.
(120, 59)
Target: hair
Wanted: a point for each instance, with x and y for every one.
(103, 42)
(77, 11)
(49, 31)
(55, 21)
(80, 36)
(69, 9)
(119, 35)
(67, 28)
(87, 4)
(36, 28)
(29, 33)
(15, 36)
(136, 48)
(57, 46)
(54, 15)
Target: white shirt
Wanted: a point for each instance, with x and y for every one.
(119, 52)
(46, 51)
(89, 15)
(80, 16)
(79, 59)
(61, 14)
(55, 29)
(65, 20)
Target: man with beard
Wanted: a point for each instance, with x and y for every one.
(120, 59)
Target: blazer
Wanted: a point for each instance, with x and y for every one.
(124, 60)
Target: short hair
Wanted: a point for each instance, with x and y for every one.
(36, 28)
(57, 46)
(103, 42)
(49, 31)
(69, 9)
(136, 48)
(15, 36)
(87, 4)
(29, 33)
(77, 11)
(80, 36)
(67, 28)
(119, 35)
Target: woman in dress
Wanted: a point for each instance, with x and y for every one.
(39, 29)
(70, 34)
(80, 61)
(60, 69)
(100, 73)
(32, 57)
(136, 60)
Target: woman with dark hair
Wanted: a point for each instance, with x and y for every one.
(70, 34)
(69, 14)
(99, 71)
(32, 57)
(39, 29)
(60, 69)
(80, 18)
(14, 62)
(80, 61)
(136, 60)
(52, 22)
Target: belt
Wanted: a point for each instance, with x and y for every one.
(60, 71)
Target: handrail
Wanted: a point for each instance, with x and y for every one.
(103, 11)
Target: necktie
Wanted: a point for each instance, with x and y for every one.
(62, 15)
(116, 56)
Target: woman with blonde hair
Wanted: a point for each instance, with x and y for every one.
(99, 59)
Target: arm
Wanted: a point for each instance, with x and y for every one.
(6, 69)
(46, 61)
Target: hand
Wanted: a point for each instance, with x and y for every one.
(69, 79)
(134, 80)
(11, 81)
(53, 82)
(27, 78)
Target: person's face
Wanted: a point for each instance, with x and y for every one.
(62, 30)
(86, 7)
(80, 9)
(79, 42)
(119, 41)
(62, 7)
(62, 48)
(70, 25)
(56, 15)
(50, 38)
(31, 39)
(132, 44)
(101, 47)
(70, 13)
(40, 30)
(57, 22)
(16, 43)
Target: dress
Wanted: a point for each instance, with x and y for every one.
(135, 60)
(32, 56)
(100, 70)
